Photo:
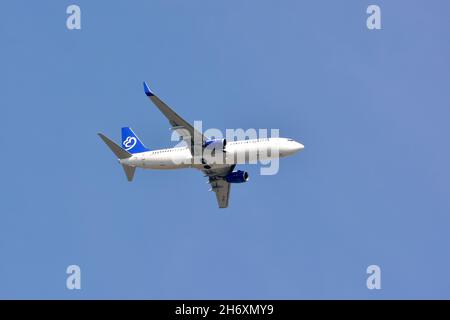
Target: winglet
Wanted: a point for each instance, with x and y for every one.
(147, 90)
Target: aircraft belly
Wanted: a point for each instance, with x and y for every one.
(249, 155)
(166, 163)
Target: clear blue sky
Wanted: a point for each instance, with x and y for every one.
(371, 186)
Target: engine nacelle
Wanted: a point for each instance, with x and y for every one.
(237, 177)
(215, 144)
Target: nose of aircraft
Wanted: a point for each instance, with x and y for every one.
(297, 146)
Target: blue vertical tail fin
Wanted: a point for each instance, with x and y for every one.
(130, 142)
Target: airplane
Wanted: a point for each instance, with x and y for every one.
(199, 153)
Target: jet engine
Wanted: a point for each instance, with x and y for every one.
(237, 177)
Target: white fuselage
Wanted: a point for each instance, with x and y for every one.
(236, 152)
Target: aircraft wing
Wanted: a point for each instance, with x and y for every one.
(218, 183)
(183, 128)
(222, 191)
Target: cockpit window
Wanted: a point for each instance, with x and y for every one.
(290, 139)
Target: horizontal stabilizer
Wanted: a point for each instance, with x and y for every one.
(118, 151)
(129, 171)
